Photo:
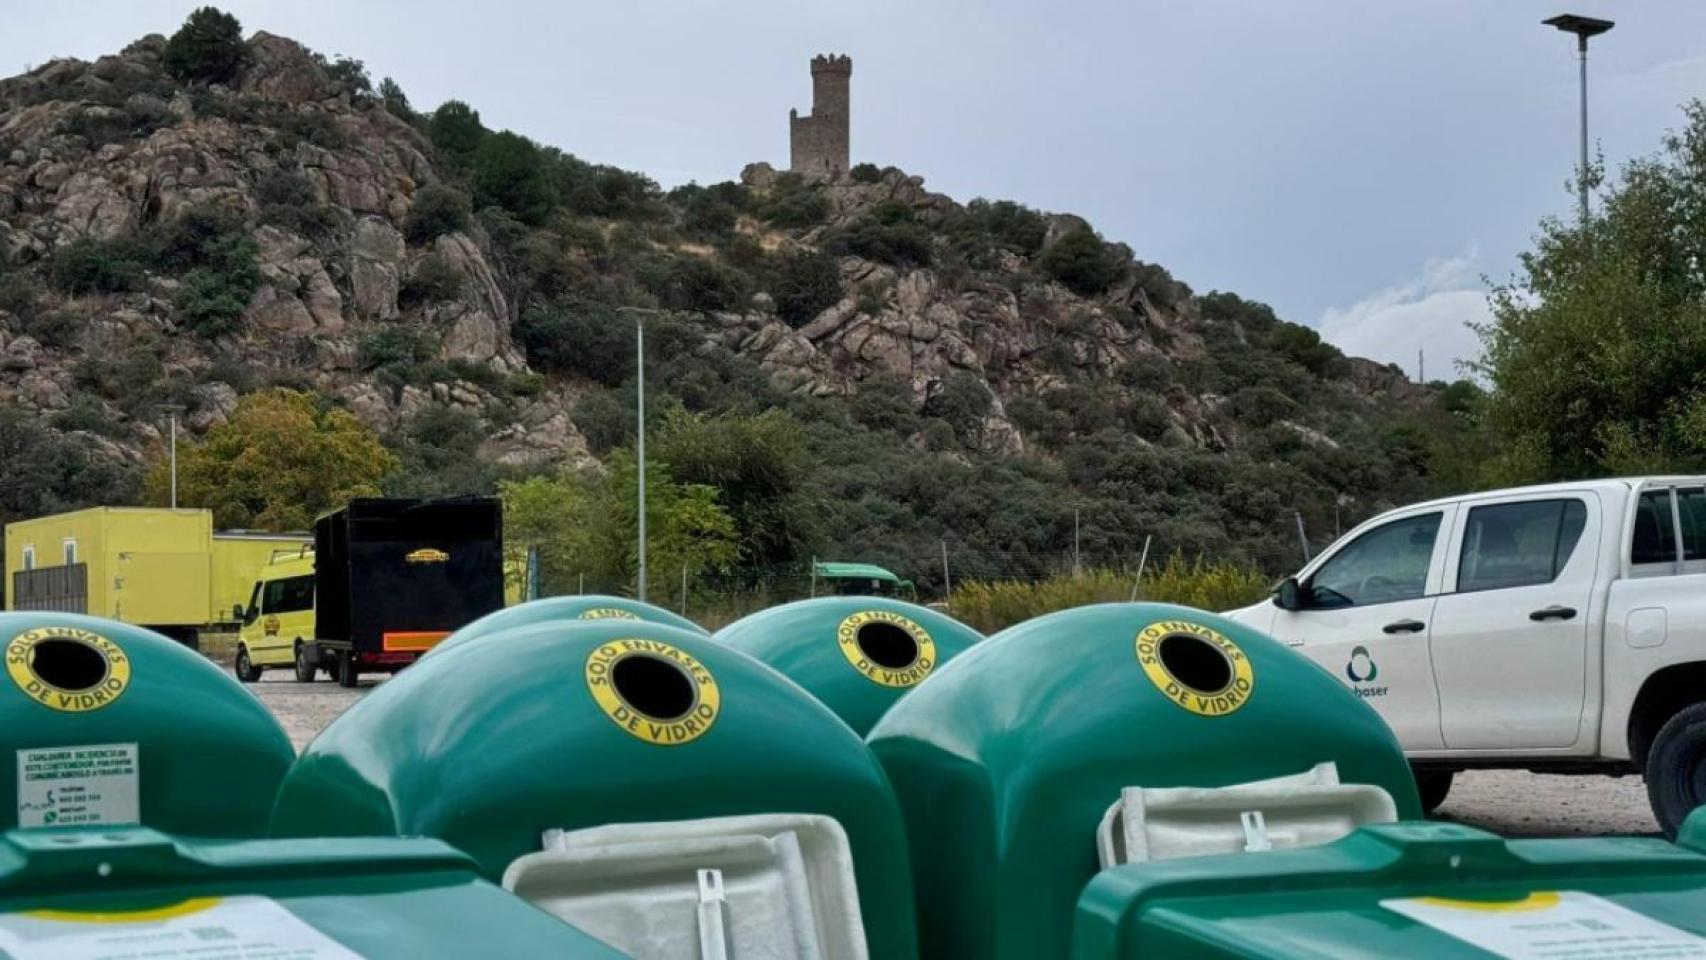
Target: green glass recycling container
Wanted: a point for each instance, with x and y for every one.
(584, 724)
(103, 723)
(858, 655)
(1403, 890)
(565, 609)
(135, 892)
(1005, 761)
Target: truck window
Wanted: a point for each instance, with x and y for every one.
(1654, 538)
(1691, 510)
(1518, 544)
(1386, 564)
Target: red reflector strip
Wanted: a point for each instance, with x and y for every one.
(417, 641)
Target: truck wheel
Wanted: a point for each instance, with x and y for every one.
(246, 671)
(1676, 768)
(305, 669)
(347, 673)
(1433, 785)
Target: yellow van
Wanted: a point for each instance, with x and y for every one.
(279, 619)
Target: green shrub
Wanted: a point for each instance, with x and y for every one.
(89, 415)
(434, 280)
(20, 294)
(456, 132)
(208, 48)
(88, 266)
(350, 76)
(213, 297)
(579, 339)
(1081, 262)
(865, 173)
(797, 208)
(693, 283)
(397, 348)
(902, 244)
(103, 125)
(807, 285)
(509, 172)
(437, 209)
(287, 200)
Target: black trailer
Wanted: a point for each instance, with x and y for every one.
(394, 576)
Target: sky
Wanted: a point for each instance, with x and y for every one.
(1367, 167)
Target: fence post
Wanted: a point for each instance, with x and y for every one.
(1141, 561)
(947, 580)
(1302, 538)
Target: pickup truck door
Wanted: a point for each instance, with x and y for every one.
(1366, 614)
(1510, 633)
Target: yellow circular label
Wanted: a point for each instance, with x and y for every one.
(904, 675)
(689, 725)
(20, 666)
(608, 613)
(1205, 703)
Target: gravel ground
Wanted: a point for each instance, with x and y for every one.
(1509, 802)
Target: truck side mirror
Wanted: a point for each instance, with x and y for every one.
(238, 613)
(1288, 595)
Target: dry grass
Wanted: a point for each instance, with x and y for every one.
(995, 605)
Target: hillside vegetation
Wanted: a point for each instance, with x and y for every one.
(208, 226)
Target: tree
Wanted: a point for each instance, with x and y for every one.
(809, 284)
(1081, 262)
(1596, 353)
(547, 516)
(509, 172)
(755, 463)
(281, 459)
(208, 48)
(395, 100)
(43, 471)
(456, 131)
(583, 523)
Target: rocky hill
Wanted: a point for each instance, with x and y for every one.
(169, 244)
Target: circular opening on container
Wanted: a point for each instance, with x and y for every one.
(887, 645)
(1195, 663)
(70, 665)
(653, 686)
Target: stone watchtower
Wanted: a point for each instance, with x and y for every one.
(819, 142)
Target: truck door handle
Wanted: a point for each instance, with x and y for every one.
(1553, 612)
(1405, 626)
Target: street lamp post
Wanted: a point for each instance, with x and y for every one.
(640, 371)
(1583, 28)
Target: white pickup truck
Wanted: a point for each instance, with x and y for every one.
(1559, 628)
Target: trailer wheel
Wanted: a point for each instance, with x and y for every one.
(245, 670)
(347, 672)
(1676, 768)
(305, 669)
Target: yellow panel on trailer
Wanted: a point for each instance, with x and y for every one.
(238, 559)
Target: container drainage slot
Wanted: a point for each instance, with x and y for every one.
(653, 686)
(70, 665)
(1195, 663)
(887, 645)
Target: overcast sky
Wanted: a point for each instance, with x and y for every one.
(1359, 165)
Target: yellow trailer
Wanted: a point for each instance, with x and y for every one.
(160, 568)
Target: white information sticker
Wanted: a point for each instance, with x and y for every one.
(74, 786)
(234, 928)
(1553, 926)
